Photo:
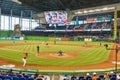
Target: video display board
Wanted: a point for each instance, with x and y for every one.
(56, 17)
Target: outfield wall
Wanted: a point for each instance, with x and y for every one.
(57, 38)
(57, 71)
(5, 33)
(36, 38)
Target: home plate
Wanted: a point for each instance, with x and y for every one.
(114, 62)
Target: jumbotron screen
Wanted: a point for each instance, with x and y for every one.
(56, 17)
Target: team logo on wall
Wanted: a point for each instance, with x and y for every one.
(17, 31)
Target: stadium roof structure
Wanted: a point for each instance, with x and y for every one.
(72, 6)
(38, 6)
(7, 5)
(52, 5)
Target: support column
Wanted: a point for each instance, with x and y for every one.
(21, 19)
(4, 23)
(0, 18)
(30, 21)
(10, 24)
(115, 25)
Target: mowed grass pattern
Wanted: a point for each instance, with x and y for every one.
(87, 55)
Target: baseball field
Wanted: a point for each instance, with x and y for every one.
(75, 55)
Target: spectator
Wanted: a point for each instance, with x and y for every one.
(94, 77)
(40, 77)
(65, 77)
(73, 77)
(87, 76)
(118, 77)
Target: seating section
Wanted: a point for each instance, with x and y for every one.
(86, 26)
(50, 28)
(98, 25)
(9, 75)
(71, 27)
(5, 75)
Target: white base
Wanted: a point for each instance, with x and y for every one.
(114, 62)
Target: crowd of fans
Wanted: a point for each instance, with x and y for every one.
(97, 25)
(12, 75)
(94, 76)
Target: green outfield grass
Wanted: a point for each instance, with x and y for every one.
(86, 55)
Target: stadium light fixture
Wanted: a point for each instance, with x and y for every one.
(91, 11)
(85, 11)
(116, 50)
(95, 10)
(111, 8)
(105, 8)
(78, 12)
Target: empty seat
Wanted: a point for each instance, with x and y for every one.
(2, 77)
(15, 78)
(113, 78)
(22, 78)
(26, 77)
(89, 79)
(8, 78)
(39, 79)
(19, 75)
(30, 78)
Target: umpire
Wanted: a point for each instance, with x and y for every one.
(38, 48)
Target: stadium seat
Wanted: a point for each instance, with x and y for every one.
(113, 78)
(73, 77)
(114, 75)
(11, 75)
(19, 75)
(88, 77)
(98, 79)
(29, 75)
(22, 78)
(15, 78)
(26, 77)
(8, 78)
(31, 79)
(81, 78)
(2, 77)
(39, 79)
(101, 76)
